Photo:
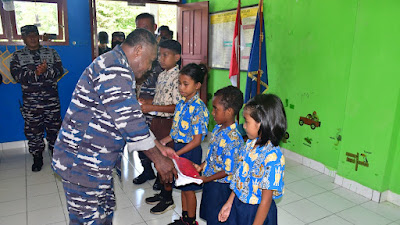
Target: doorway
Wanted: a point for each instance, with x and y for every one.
(189, 23)
(112, 16)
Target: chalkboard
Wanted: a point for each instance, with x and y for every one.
(222, 25)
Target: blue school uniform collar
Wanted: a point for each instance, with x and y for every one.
(193, 99)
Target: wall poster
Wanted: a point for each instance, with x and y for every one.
(222, 25)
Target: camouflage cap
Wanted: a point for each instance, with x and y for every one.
(25, 30)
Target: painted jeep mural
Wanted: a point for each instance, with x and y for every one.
(310, 119)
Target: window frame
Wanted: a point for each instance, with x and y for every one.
(164, 2)
(3, 35)
(153, 1)
(11, 36)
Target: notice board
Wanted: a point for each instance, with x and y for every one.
(222, 25)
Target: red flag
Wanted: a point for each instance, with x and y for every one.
(234, 68)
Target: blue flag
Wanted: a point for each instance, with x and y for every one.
(254, 63)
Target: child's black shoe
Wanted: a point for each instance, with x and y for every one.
(178, 222)
(154, 200)
(162, 207)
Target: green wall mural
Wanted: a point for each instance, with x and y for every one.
(338, 58)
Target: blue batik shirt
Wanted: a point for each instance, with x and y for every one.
(190, 118)
(102, 117)
(223, 152)
(262, 168)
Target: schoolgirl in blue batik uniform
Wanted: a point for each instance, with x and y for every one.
(223, 153)
(188, 130)
(259, 178)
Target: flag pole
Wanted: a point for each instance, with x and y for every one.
(239, 47)
(260, 13)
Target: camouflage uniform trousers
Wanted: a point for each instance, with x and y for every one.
(89, 205)
(37, 121)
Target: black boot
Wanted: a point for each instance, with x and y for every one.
(37, 162)
(148, 173)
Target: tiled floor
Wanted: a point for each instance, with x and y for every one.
(28, 198)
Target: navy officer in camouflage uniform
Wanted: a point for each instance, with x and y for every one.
(104, 116)
(37, 69)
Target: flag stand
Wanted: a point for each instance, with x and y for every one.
(260, 13)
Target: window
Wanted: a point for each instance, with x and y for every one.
(160, 1)
(50, 16)
(153, 1)
(45, 16)
(120, 16)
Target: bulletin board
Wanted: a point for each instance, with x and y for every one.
(222, 25)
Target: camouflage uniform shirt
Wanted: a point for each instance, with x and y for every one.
(103, 116)
(37, 90)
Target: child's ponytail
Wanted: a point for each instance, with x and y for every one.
(203, 68)
(196, 72)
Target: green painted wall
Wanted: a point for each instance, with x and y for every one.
(373, 94)
(339, 59)
(309, 52)
(393, 173)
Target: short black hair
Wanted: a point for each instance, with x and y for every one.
(103, 37)
(163, 27)
(145, 16)
(171, 45)
(118, 34)
(268, 110)
(196, 72)
(140, 36)
(231, 97)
